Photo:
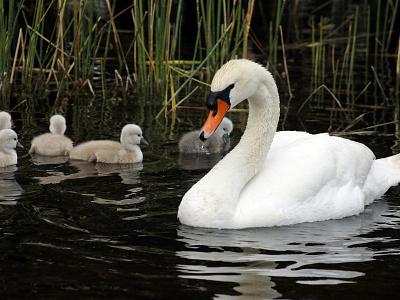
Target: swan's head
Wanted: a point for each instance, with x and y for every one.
(57, 124)
(132, 135)
(234, 82)
(5, 120)
(9, 140)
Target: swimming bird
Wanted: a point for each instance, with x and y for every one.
(106, 151)
(279, 178)
(218, 142)
(5, 120)
(8, 143)
(54, 143)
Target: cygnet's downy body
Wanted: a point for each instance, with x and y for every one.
(112, 152)
(219, 142)
(5, 120)
(8, 143)
(54, 143)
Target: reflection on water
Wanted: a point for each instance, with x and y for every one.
(307, 252)
(128, 172)
(190, 161)
(10, 190)
(48, 160)
(129, 175)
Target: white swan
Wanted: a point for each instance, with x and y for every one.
(304, 178)
(8, 143)
(218, 142)
(104, 151)
(5, 120)
(54, 143)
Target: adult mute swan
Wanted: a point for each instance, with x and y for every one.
(279, 178)
(54, 143)
(5, 120)
(105, 151)
(8, 143)
(218, 142)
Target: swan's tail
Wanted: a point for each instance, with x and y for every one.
(385, 172)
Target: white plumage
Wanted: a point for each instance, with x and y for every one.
(8, 143)
(54, 143)
(272, 179)
(106, 151)
(5, 120)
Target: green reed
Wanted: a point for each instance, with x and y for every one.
(274, 32)
(64, 59)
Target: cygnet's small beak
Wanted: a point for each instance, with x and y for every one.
(19, 145)
(214, 119)
(226, 138)
(143, 142)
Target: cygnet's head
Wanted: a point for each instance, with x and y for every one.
(5, 120)
(224, 129)
(132, 134)
(57, 124)
(9, 140)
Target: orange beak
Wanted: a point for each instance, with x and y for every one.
(213, 120)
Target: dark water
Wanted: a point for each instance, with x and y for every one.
(96, 231)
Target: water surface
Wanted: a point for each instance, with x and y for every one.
(77, 229)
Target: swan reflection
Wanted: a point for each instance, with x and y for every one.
(128, 172)
(252, 257)
(190, 161)
(10, 190)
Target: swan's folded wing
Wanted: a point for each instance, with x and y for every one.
(317, 176)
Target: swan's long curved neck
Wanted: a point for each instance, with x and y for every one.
(246, 159)
(213, 200)
(260, 130)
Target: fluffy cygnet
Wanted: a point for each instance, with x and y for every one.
(8, 143)
(55, 142)
(5, 120)
(218, 142)
(106, 151)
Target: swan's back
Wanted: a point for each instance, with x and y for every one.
(107, 151)
(54, 143)
(314, 178)
(101, 151)
(5, 120)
